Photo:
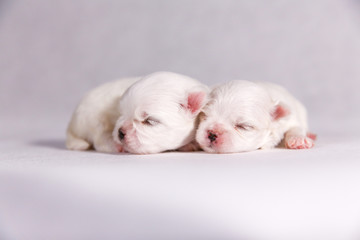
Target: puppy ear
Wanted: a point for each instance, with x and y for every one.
(280, 111)
(195, 102)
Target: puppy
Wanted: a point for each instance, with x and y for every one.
(143, 115)
(245, 116)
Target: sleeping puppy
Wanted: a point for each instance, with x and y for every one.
(245, 116)
(143, 115)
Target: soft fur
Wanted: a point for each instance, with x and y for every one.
(245, 116)
(143, 115)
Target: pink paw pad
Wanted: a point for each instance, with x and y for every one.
(299, 142)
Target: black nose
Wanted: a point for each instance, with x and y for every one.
(121, 134)
(212, 136)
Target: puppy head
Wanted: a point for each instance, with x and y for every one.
(237, 118)
(158, 113)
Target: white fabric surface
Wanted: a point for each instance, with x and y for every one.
(48, 192)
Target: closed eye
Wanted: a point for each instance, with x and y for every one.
(150, 121)
(244, 126)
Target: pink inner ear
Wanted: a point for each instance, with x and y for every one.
(279, 112)
(195, 101)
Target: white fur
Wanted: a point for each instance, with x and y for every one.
(151, 111)
(241, 116)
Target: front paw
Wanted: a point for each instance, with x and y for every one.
(120, 148)
(299, 142)
(190, 147)
(109, 147)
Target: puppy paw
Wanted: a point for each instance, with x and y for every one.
(78, 144)
(190, 147)
(120, 148)
(312, 136)
(108, 147)
(298, 142)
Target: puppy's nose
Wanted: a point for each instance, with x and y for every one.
(121, 134)
(212, 136)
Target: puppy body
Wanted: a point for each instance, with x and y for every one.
(244, 116)
(93, 121)
(149, 114)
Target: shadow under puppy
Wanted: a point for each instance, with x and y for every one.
(245, 116)
(142, 115)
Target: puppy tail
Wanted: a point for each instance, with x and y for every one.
(75, 143)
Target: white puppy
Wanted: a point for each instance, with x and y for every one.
(144, 115)
(244, 116)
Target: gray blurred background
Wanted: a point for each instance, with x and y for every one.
(52, 52)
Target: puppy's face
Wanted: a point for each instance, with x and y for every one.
(236, 119)
(158, 113)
